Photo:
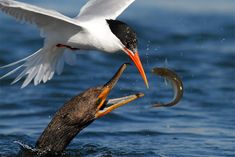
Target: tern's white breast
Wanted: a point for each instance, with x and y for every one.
(96, 36)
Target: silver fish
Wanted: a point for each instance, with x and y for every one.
(176, 83)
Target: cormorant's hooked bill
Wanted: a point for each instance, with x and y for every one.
(115, 102)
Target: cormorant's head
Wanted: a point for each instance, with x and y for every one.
(93, 103)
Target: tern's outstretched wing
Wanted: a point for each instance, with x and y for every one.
(35, 15)
(105, 9)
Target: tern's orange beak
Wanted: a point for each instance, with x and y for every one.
(136, 59)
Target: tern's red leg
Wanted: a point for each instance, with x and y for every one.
(66, 46)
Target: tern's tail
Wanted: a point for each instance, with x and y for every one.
(40, 66)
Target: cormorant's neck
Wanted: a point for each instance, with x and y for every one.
(57, 136)
(68, 121)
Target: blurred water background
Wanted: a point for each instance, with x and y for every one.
(196, 38)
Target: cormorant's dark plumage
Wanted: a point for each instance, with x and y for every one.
(77, 114)
(69, 120)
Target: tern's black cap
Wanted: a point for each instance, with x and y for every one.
(124, 33)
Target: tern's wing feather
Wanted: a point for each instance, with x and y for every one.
(35, 15)
(105, 9)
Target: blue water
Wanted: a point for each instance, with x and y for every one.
(193, 37)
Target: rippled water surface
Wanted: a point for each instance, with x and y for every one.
(194, 37)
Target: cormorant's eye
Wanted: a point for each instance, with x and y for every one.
(98, 102)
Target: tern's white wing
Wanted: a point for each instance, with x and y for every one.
(35, 15)
(105, 9)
